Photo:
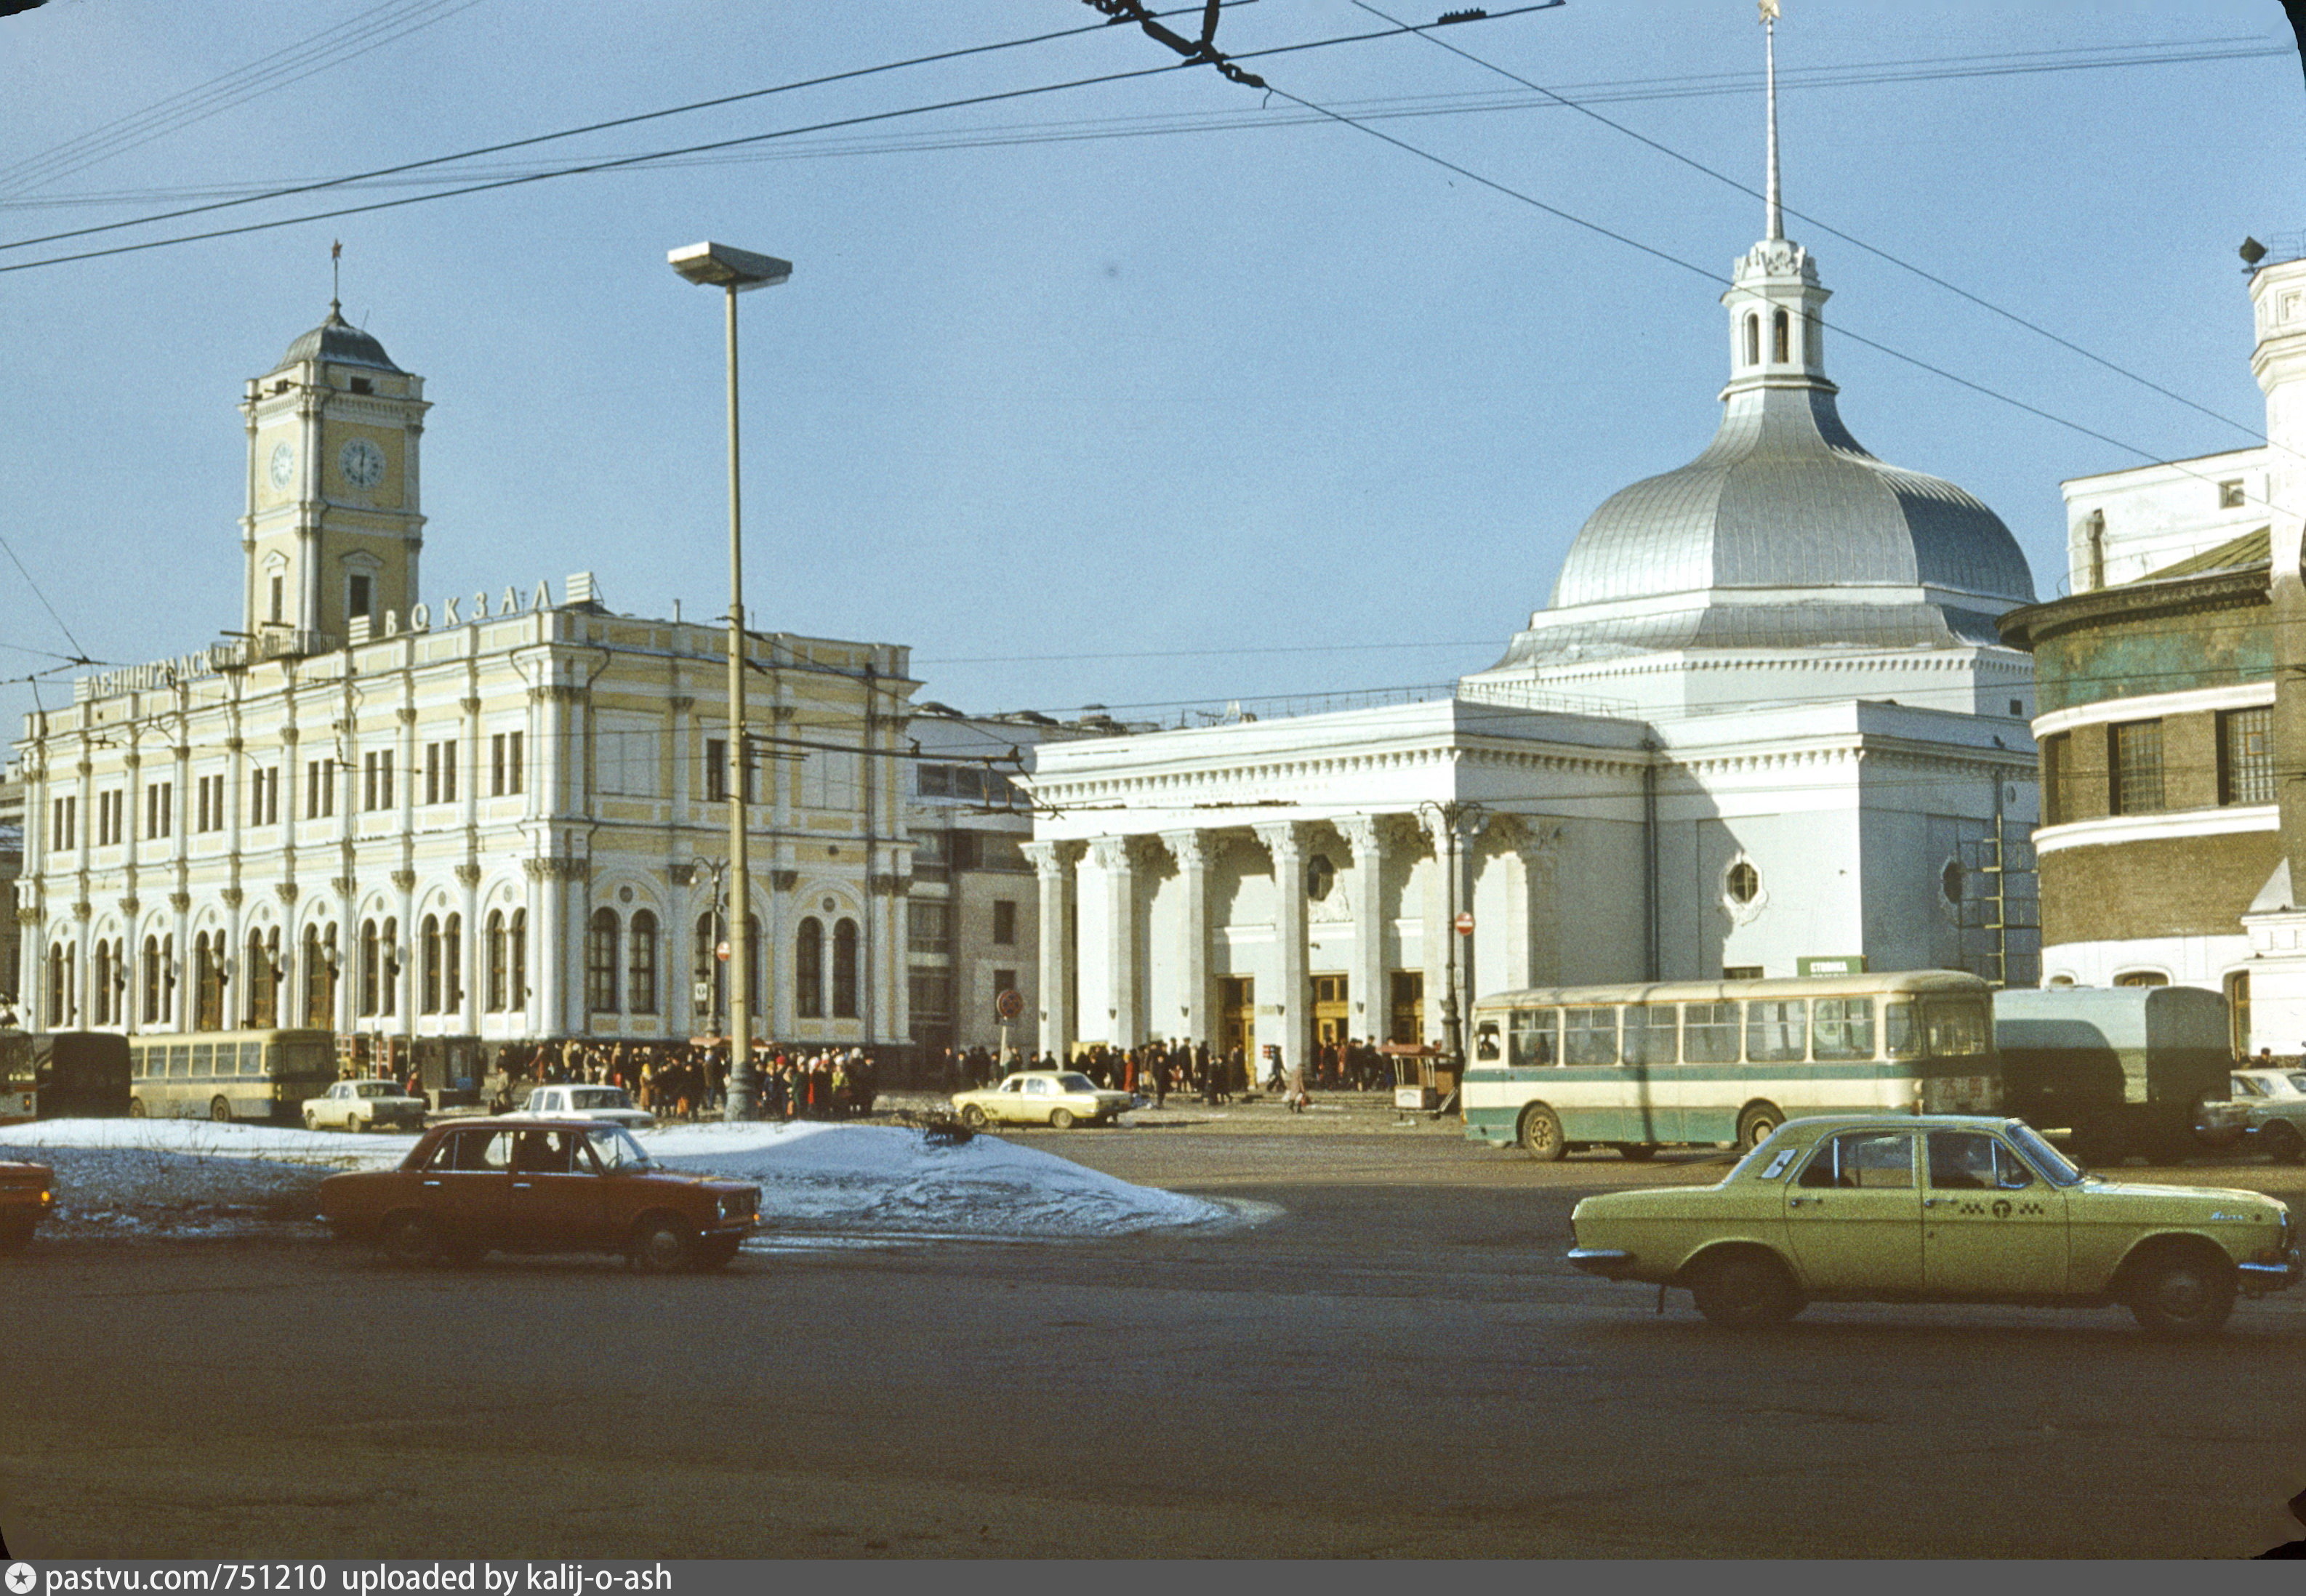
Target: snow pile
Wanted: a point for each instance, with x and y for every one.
(886, 1179)
(181, 1177)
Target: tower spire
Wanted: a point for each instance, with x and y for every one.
(1777, 226)
(336, 251)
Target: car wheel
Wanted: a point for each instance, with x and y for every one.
(1744, 1290)
(220, 1111)
(2177, 1295)
(2282, 1142)
(311, 1121)
(1757, 1124)
(1061, 1119)
(411, 1240)
(135, 1108)
(662, 1245)
(973, 1118)
(1636, 1152)
(1541, 1133)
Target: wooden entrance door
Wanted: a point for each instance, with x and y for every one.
(1237, 1015)
(1407, 1018)
(1331, 1012)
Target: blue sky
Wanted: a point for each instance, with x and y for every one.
(1107, 419)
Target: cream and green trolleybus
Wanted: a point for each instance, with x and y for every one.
(264, 1075)
(1720, 1062)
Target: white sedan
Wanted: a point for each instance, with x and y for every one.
(364, 1105)
(610, 1103)
(1058, 1098)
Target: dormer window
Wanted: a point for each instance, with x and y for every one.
(1781, 338)
(280, 387)
(362, 385)
(1753, 340)
(356, 594)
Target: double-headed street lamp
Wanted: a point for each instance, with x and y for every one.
(718, 266)
(1455, 818)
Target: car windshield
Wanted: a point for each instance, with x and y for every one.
(2298, 1081)
(2245, 1086)
(2044, 1157)
(379, 1089)
(1076, 1083)
(600, 1097)
(617, 1150)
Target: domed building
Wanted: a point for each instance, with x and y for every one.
(1765, 726)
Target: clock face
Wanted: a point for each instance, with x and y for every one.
(362, 463)
(284, 464)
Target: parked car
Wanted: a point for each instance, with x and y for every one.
(2275, 1102)
(1937, 1208)
(364, 1105)
(1059, 1099)
(2129, 1071)
(520, 1184)
(28, 1195)
(609, 1103)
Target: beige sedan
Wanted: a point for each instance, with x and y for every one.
(1058, 1098)
(364, 1105)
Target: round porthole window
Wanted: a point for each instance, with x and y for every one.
(1951, 880)
(830, 904)
(1320, 876)
(1743, 883)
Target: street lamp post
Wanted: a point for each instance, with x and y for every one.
(735, 271)
(1455, 817)
(720, 923)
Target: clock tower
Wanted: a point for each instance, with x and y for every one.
(333, 529)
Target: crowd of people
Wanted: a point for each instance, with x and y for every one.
(1156, 1070)
(686, 1080)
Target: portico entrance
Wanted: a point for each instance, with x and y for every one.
(1331, 1011)
(1237, 1015)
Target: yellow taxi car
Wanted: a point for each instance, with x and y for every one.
(1937, 1208)
(1058, 1098)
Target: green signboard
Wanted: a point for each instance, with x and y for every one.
(1847, 964)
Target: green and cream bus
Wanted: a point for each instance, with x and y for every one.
(263, 1075)
(1720, 1062)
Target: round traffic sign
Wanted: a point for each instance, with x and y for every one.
(722, 953)
(1008, 1004)
(1465, 922)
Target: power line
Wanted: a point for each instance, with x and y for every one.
(570, 133)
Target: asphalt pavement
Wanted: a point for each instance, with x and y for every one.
(1387, 1357)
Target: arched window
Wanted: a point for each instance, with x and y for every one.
(492, 984)
(844, 970)
(808, 969)
(428, 967)
(1752, 338)
(370, 968)
(59, 986)
(640, 975)
(263, 979)
(708, 965)
(758, 958)
(1781, 338)
(452, 965)
(601, 963)
(516, 940)
(207, 982)
(316, 980)
(391, 953)
(99, 972)
(155, 982)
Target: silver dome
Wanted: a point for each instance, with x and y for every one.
(340, 342)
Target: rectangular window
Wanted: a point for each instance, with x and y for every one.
(159, 809)
(1004, 921)
(2055, 760)
(356, 596)
(515, 762)
(208, 804)
(376, 780)
(929, 927)
(1534, 1039)
(2137, 763)
(716, 774)
(2246, 756)
(1845, 1027)
(440, 773)
(1900, 1038)
(504, 764)
(1004, 980)
(1589, 1036)
(936, 781)
(319, 789)
(1777, 1031)
(107, 818)
(2230, 496)
(1651, 1034)
(1709, 1033)
(277, 596)
(930, 992)
(65, 822)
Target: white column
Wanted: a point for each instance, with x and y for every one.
(1124, 997)
(1054, 863)
(1372, 971)
(1193, 850)
(1290, 999)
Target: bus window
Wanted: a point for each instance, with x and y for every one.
(1536, 1039)
(1777, 1030)
(1589, 1036)
(252, 1058)
(1900, 1038)
(1486, 1048)
(180, 1060)
(203, 1059)
(1845, 1027)
(1709, 1033)
(1653, 1034)
(1956, 1027)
